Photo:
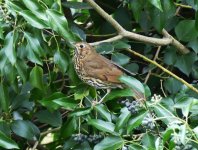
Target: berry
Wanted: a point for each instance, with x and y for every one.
(148, 122)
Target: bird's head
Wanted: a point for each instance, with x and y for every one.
(83, 49)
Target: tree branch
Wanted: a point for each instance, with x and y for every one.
(122, 33)
(164, 69)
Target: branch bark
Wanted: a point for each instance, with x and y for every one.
(122, 33)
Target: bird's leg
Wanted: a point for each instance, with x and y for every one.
(108, 91)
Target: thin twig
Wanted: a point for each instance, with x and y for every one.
(164, 69)
(154, 59)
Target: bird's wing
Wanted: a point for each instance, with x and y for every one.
(102, 69)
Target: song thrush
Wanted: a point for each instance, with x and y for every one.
(97, 71)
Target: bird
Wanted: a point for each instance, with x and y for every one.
(98, 71)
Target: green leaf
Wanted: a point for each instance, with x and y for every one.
(167, 135)
(133, 83)
(4, 98)
(135, 121)
(34, 44)
(172, 85)
(136, 146)
(80, 112)
(123, 118)
(32, 56)
(148, 140)
(170, 56)
(9, 47)
(167, 116)
(185, 104)
(104, 48)
(120, 58)
(194, 45)
(185, 62)
(65, 102)
(61, 60)
(103, 111)
(136, 6)
(121, 44)
(16, 5)
(33, 20)
(22, 69)
(157, 4)
(6, 142)
(36, 77)
(110, 143)
(102, 125)
(51, 118)
(186, 30)
(33, 5)
(69, 127)
(25, 129)
(59, 24)
(118, 93)
(49, 102)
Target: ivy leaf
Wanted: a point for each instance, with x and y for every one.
(110, 143)
(36, 77)
(157, 4)
(103, 111)
(59, 24)
(9, 47)
(185, 62)
(25, 129)
(6, 142)
(102, 125)
(120, 59)
(52, 118)
(186, 31)
(61, 60)
(33, 20)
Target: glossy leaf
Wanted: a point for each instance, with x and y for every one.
(135, 121)
(123, 118)
(51, 118)
(102, 125)
(69, 127)
(25, 129)
(4, 98)
(185, 62)
(6, 142)
(120, 59)
(9, 47)
(33, 20)
(61, 60)
(80, 112)
(156, 3)
(133, 83)
(103, 111)
(186, 31)
(119, 93)
(36, 77)
(110, 143)
(59, 24)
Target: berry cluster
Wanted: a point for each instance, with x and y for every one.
(90, 138)
(148, 121)
(133, 106)
(179, 145)
(79, 137)
(94, 138)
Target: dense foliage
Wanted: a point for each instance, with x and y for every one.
(44, 104)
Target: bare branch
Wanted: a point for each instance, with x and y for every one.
(122, 33)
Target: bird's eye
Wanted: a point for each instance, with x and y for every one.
(82, 46)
